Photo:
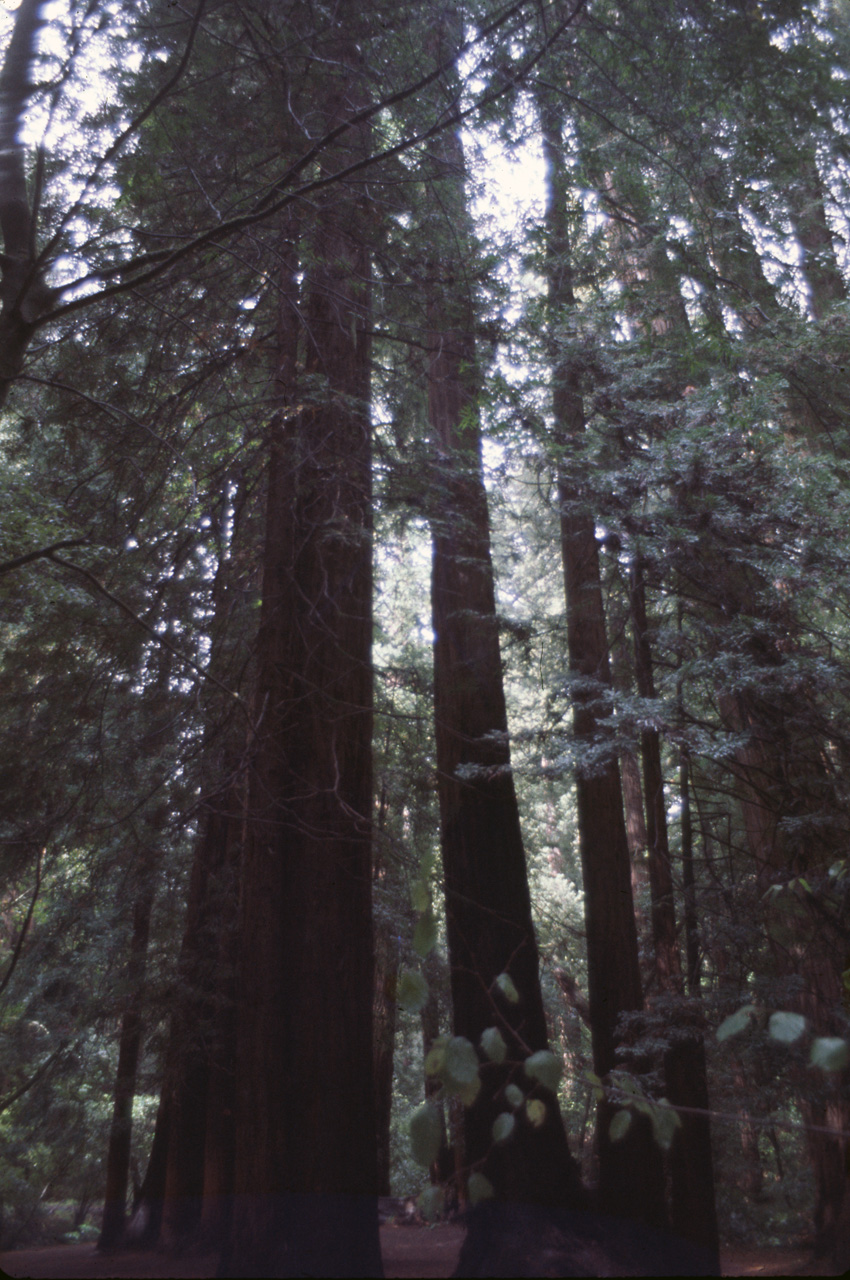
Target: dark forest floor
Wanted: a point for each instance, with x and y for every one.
(411, 1253)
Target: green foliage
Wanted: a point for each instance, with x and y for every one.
(426, 1131)
(453, 1061)
(503, 1126)
(830, 1053)
(411, 991)
(425, 934)
(535, 1112)
(736, 1022)
(620, 1125)
(493, 1044)
(544, 1067)
(431, 1202)
(505, 984)
(786, 1027)
(479, 1188)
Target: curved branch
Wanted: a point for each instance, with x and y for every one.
(25, 927)
(152, 265)
(6, 566)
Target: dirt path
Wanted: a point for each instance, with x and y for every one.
(410, 1253)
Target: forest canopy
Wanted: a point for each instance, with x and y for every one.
(425, 626)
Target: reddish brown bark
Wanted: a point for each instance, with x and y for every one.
(630, 1171)
(305, 1178)
(129, 1045)
(668, 967)
(488, 907)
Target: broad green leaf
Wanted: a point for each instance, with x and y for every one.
(435, 1060)
(536, 1111)
(430, 1203)
(545, 1067)
(830, 1053)
(593, 1079)
(479, 1188)
(467, 1092)
(412, 991)
(505, 983)
(627, 1084)
(493, 1044)
(665, 1122)
(786, 1027)
(420, 896)
(425, 933)
(503, 1126)
(514, 1095)
(461, 1062)
(738, 1021)
(426, 1133)
(619, 1125)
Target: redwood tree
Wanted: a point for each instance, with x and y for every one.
(488, 908)
(305, 1176)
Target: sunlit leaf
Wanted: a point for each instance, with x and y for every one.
(736, 1022)
(627, 1084)
(665, 1122)
(420, 896)
(468, 1092)
(461, 1062)
(493, 1044)
(430, 1203)
(830, 1053)
(479, 1188)
(786, 1027)
(412, 991)
(426, 1132)
(593, 1079)
(506, 985)
(503, 1126)
(619, 1125)
(435, 1059)
(536, 1111)
(544, 1067)
(425, 933)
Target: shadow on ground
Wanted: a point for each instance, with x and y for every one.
(410, 1253)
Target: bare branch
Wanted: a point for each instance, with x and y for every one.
(25, 926)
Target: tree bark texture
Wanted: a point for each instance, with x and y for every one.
(129, 1045)
(305, 1179)
(630, 1171)
(668, 967)
(200, 1029)
(488, 907)
(24, 296)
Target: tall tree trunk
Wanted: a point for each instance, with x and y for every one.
(806, 197)
(635, 834)
(305, 1179)
(24, 296)
(630, 1171)
(488, 906)
(201, 1018)
(692, 946)
(668, 966)
(386, 977)
(129, 1045)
